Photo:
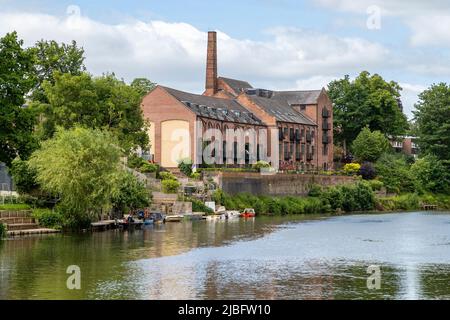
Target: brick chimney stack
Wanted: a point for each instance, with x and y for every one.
(211, 65)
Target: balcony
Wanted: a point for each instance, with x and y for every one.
(325, 113)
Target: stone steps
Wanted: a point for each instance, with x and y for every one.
(15, 214)
(31, 231)
(17, 220)
(22, 226)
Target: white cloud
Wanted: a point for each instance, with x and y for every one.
(174, 53)
(429, 20)
(410, 96)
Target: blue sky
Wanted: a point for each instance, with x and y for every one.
(283, 44)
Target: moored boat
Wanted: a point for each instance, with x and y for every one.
(248, 213)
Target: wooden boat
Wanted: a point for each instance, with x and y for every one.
(248, 213)
(174, 218)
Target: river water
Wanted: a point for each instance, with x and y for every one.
(302, 257)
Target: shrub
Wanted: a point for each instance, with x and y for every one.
(315, 190)
(48, 218)
(148, 167)
(376, 185)
(369, 146)
(396, 175)
(14, 206)
(367, 171)
(165, 175)
(3, 230)
(134, 161)
(260, 164)
(199, 206)
(432, 174)
(196, 176)
(170, 186)
(132, 194)
(352, 168)
(185, 166)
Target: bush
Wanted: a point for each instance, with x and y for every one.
(352, 168)
(14, 206)
(396, 175)
(3, 230)
(315, 190)
(196, 176)
(132, 194)
(165, 175)
(367, 171)
(185, 166)
(48, 218)
(199, 206)
(148, 167)
(135, 162)
(369, 146)
(260, 164)
(376, 185)
(432, 174)
(170, 186)
(23, 176)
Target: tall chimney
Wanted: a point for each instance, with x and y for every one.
(211, 64)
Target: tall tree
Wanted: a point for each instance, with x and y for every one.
(16, 80)
(369, 146)
(104, 102)
(143, 85)
(432, 117)
(82, 166)
(369, 101)
(51, 57)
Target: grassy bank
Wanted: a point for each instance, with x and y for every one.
(336, 199)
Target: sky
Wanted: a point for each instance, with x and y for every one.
(279, 45)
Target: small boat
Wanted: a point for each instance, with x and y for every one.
(158, 217)
(148, 222)
(248, 213)
(174, 218)
(232, 214)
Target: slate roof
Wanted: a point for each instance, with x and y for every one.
(279, 104)
(237, 85)
(215, 108)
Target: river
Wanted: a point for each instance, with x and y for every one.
(302, 257)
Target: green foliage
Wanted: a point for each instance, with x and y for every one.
(170, 186)
(51, 57)
(368, 100)
(376, 185)
(315, 190)
(199, 206)
(131, 195)
(148, 167)
(17, 78)
(3, 230)
(166, 175)
(82, 166)
(196, 176)
(432, 174)
(23, 176)
(143, 86)
(432, 117)
(185, 166)
(409, 201)
(261, 164)
(48, 218)
(369, 146)
(351, 168)
(395, 173)
(102, 103)
(357, 197)
(14, 206)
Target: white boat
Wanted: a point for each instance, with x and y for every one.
(232, 214)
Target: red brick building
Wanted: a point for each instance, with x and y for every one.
(304, 120)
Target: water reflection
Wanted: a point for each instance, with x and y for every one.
(266, 258)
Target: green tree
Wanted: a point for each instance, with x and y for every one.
(369, 146)
(16, 80)
(143, 85)
(394, 171)
(82, 166)
(23, 176)
(369, 101)
(432, 117)
(432, 174)
(104, 102)
(51, 57)
(132, 194)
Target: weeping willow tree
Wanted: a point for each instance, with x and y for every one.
(82, 166)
